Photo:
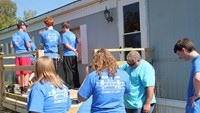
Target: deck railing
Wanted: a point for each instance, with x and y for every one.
(8, 100)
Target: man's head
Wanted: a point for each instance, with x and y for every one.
(183, 48)
(49, 21)
(133, 58)
(65, 25)
(21, 24)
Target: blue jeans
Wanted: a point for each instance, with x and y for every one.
(139, 110)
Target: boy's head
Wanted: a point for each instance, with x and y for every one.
(183, 47)
(49, 21)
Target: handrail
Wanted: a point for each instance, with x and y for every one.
(13, 67)
(147, 52)
(126, 49)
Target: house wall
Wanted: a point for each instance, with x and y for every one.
(169, 20)
(100, 34)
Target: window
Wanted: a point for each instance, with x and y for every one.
(132, 24)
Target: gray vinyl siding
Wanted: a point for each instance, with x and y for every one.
(169, 20)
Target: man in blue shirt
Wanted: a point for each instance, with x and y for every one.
(142, 76)
(70, 54)
(186, 50)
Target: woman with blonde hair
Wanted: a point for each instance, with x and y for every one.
(106, 83)
(49, 94)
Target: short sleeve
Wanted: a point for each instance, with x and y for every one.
(36, 95)
(27, 38)
(41, 39)
(86, 89)
(68, 102)
(64, 38)
(196, 65)
(148, 77)
(123, 67)
(127, 83)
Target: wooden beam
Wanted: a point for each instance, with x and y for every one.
(14, 105)
(2, 87)
(14, 68)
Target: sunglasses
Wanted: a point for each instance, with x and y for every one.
(131, 64)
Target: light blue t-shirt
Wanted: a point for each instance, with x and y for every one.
(19, 41)
(191, 90)
(50, 39)
(45, 98)
(69, 38)
(107, 93)
(140, 77)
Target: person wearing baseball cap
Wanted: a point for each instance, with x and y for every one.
(21, 42)
(21, 23)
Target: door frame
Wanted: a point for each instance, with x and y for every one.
(143, 22)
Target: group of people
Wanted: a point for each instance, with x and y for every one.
(125, 89)
(49, 39)
(114, 89)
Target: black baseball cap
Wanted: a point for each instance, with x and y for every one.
(21, 22)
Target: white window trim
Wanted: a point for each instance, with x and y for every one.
(84, 45)
(143, 22)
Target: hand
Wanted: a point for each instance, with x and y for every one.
(76, 51)
(193, 98)
(146, 108)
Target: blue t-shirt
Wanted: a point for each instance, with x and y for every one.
(140, 77)
(191, 90)
(33, 48)
(69, 38)
(50, 39)
(45, 98)
(19, 41)
(107, 93)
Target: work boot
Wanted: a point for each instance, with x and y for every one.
(22, 90)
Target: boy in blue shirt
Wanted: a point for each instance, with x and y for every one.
(21, 42)
(186, 50)
(50, 40)
(70, 54)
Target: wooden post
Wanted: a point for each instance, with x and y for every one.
(2, 87)
(39, 53)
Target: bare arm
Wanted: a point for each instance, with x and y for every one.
(11, 46)
(150, 93)
(28, 44)
(81, 98)
(71, 48)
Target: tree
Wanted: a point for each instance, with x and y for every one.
(8, 11)
(29, 14)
